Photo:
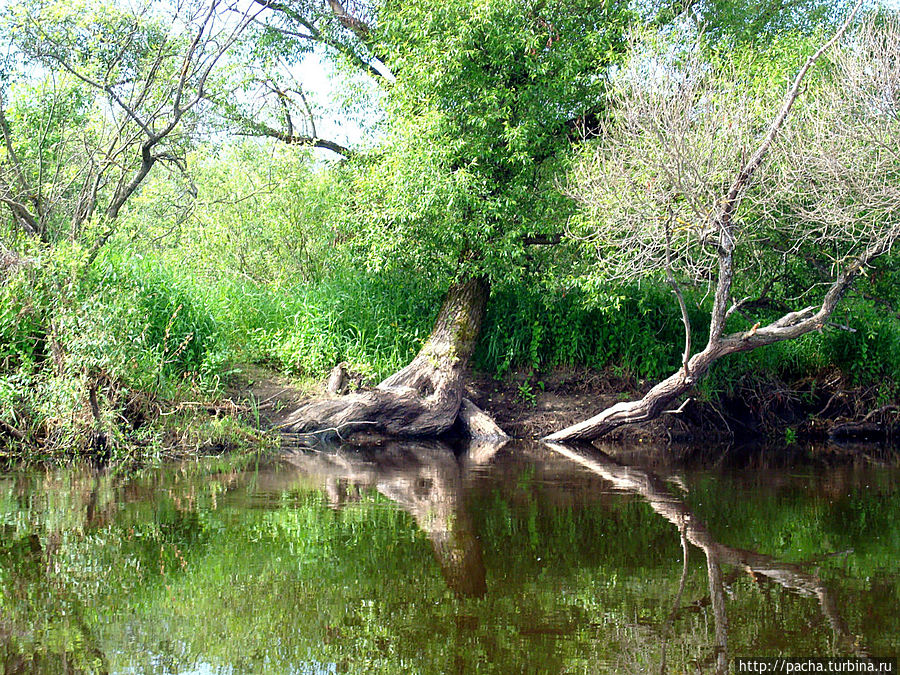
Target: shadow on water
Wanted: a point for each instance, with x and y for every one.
(545, 559)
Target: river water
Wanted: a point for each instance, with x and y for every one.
(418, 558)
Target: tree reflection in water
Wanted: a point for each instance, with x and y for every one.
(655, 491)
(549, 560)
(426, 479)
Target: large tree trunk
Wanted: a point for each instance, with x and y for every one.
(422, 399)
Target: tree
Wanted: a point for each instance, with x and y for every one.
(820, 189)
(141, 74)
(756, 22)
(261, 95)
(484, 102)
(44, 131)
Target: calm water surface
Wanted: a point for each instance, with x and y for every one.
(419, 560)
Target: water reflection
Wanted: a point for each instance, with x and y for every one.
(30, 560)
(424, 478)
(692, 529)
(415, 558)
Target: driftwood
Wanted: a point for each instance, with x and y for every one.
(343, 379)
(337, 379)
(864, 428)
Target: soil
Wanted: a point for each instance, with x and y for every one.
(531, 405)
(266, 396)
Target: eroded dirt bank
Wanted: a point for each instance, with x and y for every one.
(531, 405)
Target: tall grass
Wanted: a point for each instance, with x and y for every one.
(631, 329)
(637, 331)
(86, 355)
(375, 324)
(109, 351)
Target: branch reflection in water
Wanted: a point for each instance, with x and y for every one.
(548, 560)
(655, 491)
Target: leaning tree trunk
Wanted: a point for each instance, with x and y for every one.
(422, 399)
(654, 402)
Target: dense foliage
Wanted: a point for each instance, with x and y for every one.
(488, 98)
(148, 248)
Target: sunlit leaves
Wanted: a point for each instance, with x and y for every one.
(481, 115)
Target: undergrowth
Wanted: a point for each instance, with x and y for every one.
(102, 362)
(128, 360)
(636, 332)
(374, 324)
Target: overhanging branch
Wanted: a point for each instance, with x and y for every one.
(255, 128)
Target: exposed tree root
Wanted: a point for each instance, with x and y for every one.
(478, 425)
(424, 398)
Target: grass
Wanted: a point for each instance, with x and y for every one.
(96, 364)
(128, 360)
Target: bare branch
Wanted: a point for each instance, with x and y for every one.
(256, 128)
(685, 319)
(317, 35)
(827, 182)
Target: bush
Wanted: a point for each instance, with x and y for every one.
(84, 354)
(376, 324)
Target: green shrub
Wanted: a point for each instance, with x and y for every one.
(375, 324)
(87, 352)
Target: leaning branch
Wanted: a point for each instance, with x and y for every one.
(733, 197)
(318, 36)
(788, 327)
(11, 431)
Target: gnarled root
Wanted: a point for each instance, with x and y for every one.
(424, 398)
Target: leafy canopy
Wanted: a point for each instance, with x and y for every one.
(487, 101)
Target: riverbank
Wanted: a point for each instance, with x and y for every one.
(135, 362)
(529, 405)
(532, 405)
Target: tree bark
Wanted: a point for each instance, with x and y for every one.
(479, 425)
(423, 399)
(788, 327)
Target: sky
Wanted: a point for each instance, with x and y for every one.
(318, 77)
